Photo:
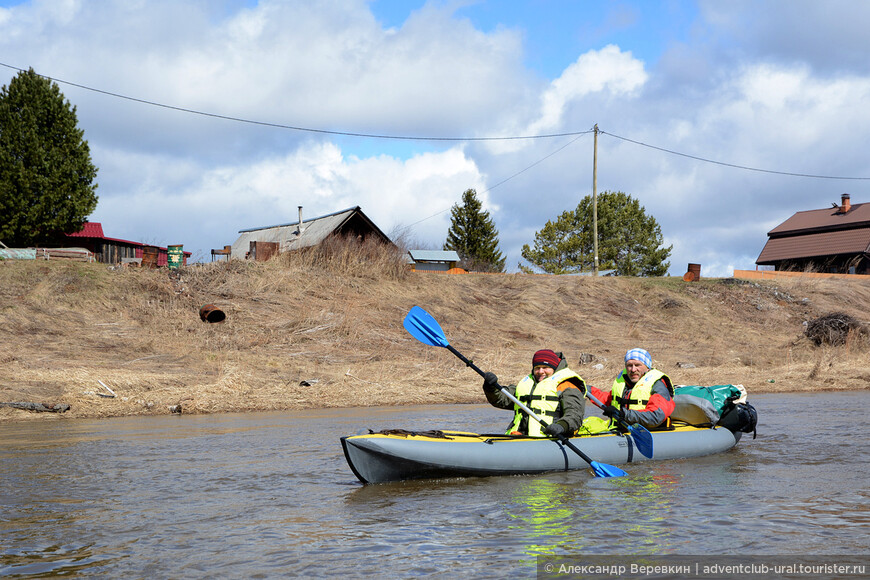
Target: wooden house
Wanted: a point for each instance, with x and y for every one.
(433, 260)
(115, 251)
(832, 240)
(261, 243)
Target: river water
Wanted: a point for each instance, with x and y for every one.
(270, 495)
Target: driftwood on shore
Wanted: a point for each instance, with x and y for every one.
(41, 407)
(834, 329)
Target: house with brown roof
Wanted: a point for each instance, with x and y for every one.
(834, 240)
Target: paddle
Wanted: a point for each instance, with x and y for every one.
(426, 329)
(642, 437)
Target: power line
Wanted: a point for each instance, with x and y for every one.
(297, 128)
(506, 179)
(429, 138)
(695, 157)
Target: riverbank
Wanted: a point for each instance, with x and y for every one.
(310, 333)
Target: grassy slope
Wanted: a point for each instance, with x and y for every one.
(338, 327)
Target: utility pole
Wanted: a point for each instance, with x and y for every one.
(595, 199)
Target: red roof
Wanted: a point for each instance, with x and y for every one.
(95, 230)
(819, 232)
(89, 230)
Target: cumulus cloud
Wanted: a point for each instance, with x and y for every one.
(214, 203)
(607, 70)
(734, 87)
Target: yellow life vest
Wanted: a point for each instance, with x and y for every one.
(639, 396)
(542, 398)
(636, 401)
(595, 425)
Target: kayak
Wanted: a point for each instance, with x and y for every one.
(705, 420)
(396, 455)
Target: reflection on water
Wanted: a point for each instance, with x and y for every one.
(545, 512)
(265, 495)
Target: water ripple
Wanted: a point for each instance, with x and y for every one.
(267, 495)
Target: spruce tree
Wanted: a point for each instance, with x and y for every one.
(473, 236)
(46, 176)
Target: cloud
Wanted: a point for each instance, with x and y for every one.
(779, 86)
(608, 70)
(830, 37)
(212, 204)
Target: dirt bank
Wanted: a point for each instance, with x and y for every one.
(301, 334)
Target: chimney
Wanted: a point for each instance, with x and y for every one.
(846, 205)
(300, 220)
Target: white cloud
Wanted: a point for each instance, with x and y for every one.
(607, 70)
(732, 88)
(224, 199)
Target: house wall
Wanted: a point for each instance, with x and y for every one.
(775, 274)
(846, 264)
(433, 266)
(111, 253)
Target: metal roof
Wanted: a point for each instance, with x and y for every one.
(853, 241)
(824, 219)
(434, 255)
(314, 231)
(818, 233)
(94, 230)
(89, 230)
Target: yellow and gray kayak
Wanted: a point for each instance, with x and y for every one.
(399, 455)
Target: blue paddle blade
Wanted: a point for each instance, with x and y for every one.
(424, 328)
(640, 435)
(643, 440)
(604, 470)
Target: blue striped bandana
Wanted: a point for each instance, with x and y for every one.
(641, 355)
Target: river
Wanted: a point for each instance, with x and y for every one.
(267, 495)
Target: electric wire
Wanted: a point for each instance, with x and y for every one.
(576, 134)
(506, 179)
(735, 166)
(298, 128)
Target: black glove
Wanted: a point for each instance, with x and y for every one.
(490, 381)
(613, 412)
(555, 429)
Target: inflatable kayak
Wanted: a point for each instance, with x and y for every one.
(399, 455)
(698, 428)
(705, 420)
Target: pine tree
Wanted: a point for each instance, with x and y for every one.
(46, 176)
(473, 236)
(557, 248)
(629, 240)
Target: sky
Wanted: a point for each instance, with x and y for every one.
(207, 117)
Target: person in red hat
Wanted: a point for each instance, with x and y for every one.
(552, 390)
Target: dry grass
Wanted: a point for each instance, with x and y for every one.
(324, 328)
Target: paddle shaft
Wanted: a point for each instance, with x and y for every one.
(504, 391)
(600, 405)
(564, 440)
(640, 434)
(592, 398)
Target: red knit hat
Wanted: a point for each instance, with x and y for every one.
(546, 357)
